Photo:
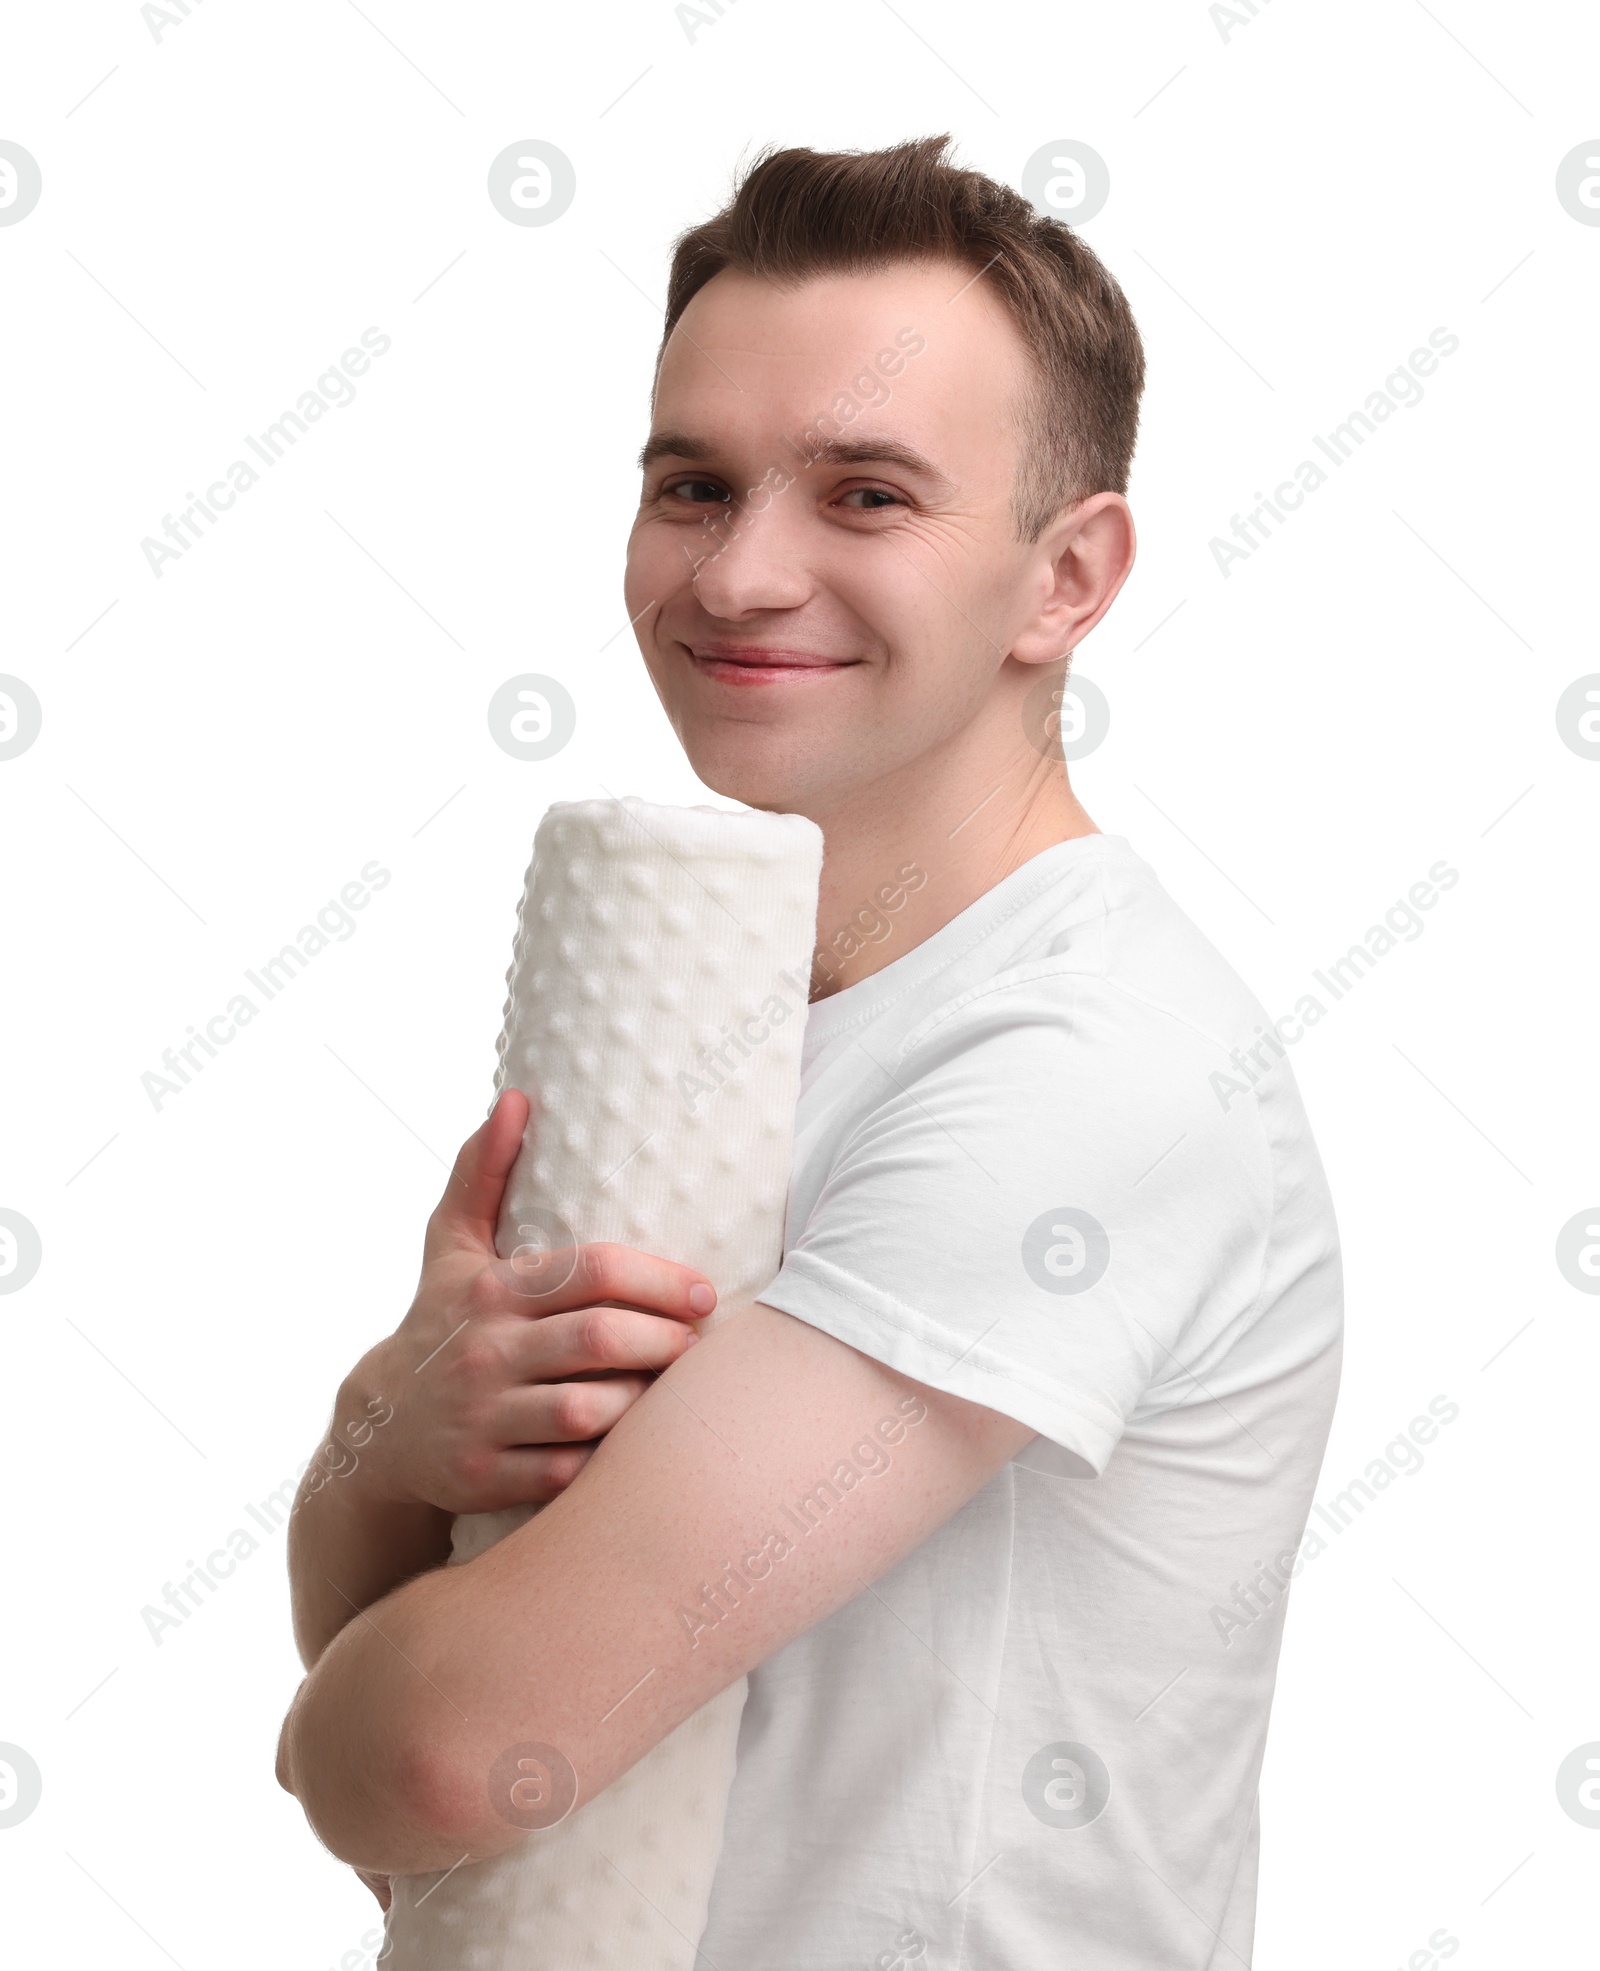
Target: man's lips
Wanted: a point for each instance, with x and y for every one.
(739, 663)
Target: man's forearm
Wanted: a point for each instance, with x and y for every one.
(588, 1630)
(347, 1548)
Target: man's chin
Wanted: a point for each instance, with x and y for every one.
(758, 770)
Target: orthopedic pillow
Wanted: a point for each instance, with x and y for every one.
(658, 990)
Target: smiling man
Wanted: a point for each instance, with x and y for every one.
(1009, 1688)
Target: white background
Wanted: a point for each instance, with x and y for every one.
(1296, 202)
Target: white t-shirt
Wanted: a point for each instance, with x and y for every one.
(1038, 1165)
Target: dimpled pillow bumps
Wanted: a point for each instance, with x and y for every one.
(658, 991)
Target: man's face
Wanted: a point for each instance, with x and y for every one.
(813, 628)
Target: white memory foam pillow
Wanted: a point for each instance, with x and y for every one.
(657, 999)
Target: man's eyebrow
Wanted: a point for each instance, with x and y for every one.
(875, 451)
(671, 444)
(827, 451)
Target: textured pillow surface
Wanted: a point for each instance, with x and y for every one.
(657, 999)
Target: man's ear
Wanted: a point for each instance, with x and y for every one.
(1080, 561)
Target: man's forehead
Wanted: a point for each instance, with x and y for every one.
(741, 331)
(904, 366)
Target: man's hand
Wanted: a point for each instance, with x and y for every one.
(504, 1375)
(493, 1391)
(770, 1476)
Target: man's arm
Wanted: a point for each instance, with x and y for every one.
(348, 1547)
(769, 1476)
(490, 1392)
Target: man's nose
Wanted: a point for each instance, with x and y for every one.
(750, 560)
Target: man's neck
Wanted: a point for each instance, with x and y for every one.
(899, 865)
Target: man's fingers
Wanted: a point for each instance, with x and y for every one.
(471, 1201)
(531, 1475)
(542, 1414)
(591, 1340)
(552, 1282)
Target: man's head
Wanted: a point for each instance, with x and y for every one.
(893, 419)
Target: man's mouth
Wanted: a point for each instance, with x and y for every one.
(749, 663)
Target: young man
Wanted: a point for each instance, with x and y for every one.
(1057, 1220)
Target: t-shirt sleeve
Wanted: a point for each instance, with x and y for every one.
(1048, 1212)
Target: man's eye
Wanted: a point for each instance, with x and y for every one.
(875, 498)
(692, 491)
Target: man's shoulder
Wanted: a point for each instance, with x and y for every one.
(1098, 947)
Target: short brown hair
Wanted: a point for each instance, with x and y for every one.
(799, 213)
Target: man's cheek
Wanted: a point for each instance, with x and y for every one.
(655, 566)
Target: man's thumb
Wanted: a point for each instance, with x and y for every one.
(470, 1205)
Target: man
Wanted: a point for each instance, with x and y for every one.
(1057, 1223)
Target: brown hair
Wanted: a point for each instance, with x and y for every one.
(799, 213)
